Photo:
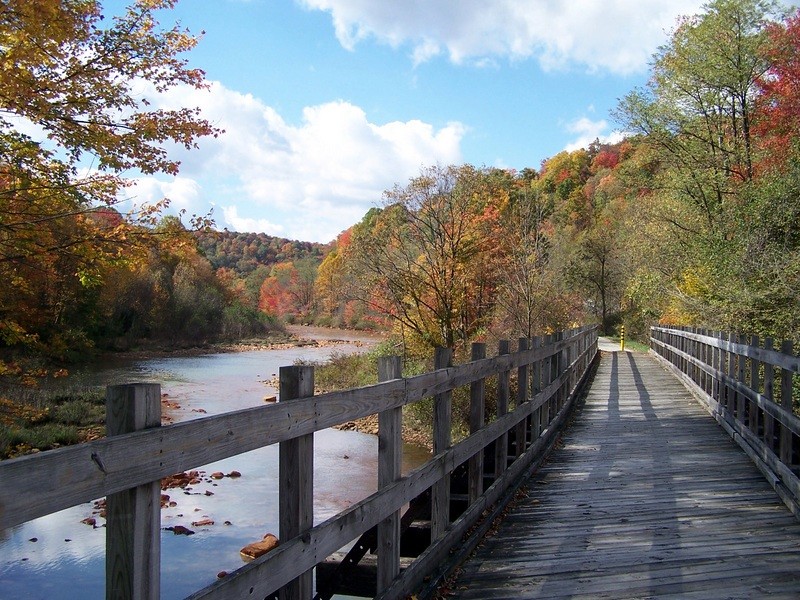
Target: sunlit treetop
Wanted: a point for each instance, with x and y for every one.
(73, 91)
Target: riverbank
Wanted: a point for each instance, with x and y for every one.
(293, 336)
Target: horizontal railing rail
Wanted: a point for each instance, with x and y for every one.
(128, 465)
(750, 390)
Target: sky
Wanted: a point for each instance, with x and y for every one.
(328, 103)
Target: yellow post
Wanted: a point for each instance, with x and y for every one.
(622, 338)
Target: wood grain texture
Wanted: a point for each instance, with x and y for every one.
(390, 456)
(133, 517)
(647, 497)
(296, 477)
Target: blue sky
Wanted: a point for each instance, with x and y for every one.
(327, 103)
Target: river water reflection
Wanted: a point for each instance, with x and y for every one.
(59, 557)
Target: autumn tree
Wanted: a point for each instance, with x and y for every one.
(527, 295)
(74, 118)
(696, 113)
(288, 292)
(697, 120)
(777, 118)
(420, 258)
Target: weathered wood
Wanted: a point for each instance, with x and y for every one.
(296, 478)
(741, 413)
(520, 433)
(786, 404)
(195, 443)
(29, 490)
(760, 448)
(503, 394)
(751, 350)
(536, 383)
(644, 498)
(477, 414)
(442, 557)
(133, 517)
(279, 566)
(390, 455)
(769, 382)
(442, 420)
(766, 405)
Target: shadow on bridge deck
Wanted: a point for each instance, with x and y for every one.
(646, 497)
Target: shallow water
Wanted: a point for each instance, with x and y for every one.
(66, 560)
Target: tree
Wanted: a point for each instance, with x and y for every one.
(697, 112)
(701, 129)
(526, 295)
(778, 107)
(421, 260)
(77, 80)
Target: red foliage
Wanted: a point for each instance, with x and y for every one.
(608, 158)
(778, 109)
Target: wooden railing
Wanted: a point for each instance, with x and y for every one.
(128, 465)
(750, 390)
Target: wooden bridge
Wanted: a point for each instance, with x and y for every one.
(644, 496)
(647, 497)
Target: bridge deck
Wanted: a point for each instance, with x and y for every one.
(647, 497)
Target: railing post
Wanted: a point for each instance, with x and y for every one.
(390, 455)
(477, 415)
(786, 404)
(442, 417)
(547, 379)
(769, 383)
(520, 432)
(719, 359)
(501, 444)
(296, 477)
(755, 385)
(740, 377)
(536, 386)
(133, 517)
(731, 372)
(561, 394)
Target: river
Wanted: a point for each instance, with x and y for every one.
(61, 557)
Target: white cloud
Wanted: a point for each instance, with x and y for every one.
(182, 192)
(238, 223)
(308, 180)
(588, 131)
(608, 35)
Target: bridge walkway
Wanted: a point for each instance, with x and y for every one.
(646, 497)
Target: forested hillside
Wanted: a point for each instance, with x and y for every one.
(693, 219)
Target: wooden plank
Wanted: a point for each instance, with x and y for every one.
(133, 517)
(523, 383)
(477, 415)
(786, 403)
(442, 419)
(390, 455)
(754, 423)
(536, 384)
(501, 446)
(769, 382)
(145, 457)
(296, 477)
(274, 569)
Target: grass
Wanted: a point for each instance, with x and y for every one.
(631, 345)
(31, 420)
